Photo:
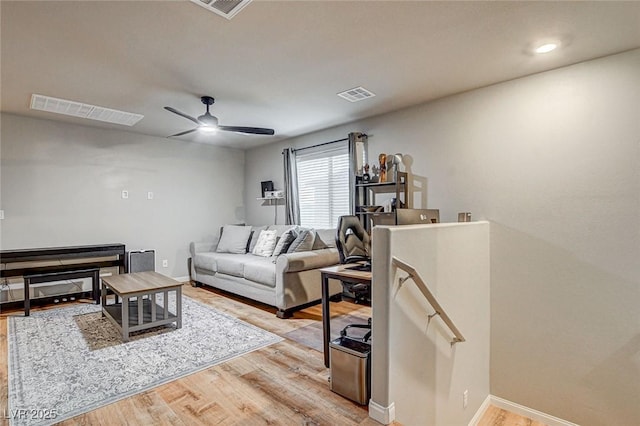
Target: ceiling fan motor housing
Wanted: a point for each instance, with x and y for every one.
(207, 100)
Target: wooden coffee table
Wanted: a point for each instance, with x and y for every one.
(137, 312)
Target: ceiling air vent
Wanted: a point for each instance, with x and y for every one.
(78, 109)
(226, 8)
(356, 94)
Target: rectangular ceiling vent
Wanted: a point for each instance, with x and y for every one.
(78, 109)
(226, 8)
(356, 94)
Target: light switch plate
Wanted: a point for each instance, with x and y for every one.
(125, 194)
(1, 214)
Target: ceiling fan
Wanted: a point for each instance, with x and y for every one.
(209, 122)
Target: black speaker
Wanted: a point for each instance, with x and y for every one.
(267, 185)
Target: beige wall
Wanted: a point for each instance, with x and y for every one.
(62, 183)
(415, 367)
(553, 160)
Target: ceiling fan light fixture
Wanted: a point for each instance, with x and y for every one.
(208, 129)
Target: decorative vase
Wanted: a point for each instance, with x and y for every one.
(382, 158)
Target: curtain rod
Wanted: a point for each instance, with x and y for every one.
(319, 144)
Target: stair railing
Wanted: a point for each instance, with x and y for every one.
(424, 289)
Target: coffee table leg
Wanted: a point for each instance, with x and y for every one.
(179, 307)
(125, 318)
(154, 313)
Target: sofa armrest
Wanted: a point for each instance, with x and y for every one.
(302, 261)
(199, 247)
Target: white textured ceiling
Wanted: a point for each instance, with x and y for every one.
(280, 64)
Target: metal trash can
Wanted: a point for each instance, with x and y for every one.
(350, 364)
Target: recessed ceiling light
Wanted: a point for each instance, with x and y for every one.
(546, 48)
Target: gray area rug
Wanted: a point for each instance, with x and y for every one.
(311, 335)
(67, 361)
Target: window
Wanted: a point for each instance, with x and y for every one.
(323, 185)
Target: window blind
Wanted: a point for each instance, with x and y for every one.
(323, 185)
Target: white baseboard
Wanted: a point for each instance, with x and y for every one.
(384, 415)
(183, 279)
(521, 410)
(483, 407)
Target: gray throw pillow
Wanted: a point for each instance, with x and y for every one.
(255, 234)
(303, 242)
(285, 242)
(234, 239)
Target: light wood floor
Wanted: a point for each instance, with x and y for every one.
(283, 384)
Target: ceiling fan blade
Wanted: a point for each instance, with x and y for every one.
(248, 130)
(183, 133)
(182, 114)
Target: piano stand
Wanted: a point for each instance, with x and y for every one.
(93, 273)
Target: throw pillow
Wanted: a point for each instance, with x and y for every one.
(265, 244)
(285, 241)
(303, 242)
(318, 244)
(234, 239)
(255, 233)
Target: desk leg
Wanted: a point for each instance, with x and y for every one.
(27, 301)
(326, 318)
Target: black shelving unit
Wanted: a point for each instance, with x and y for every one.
(365, 198)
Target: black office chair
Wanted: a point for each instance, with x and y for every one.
(352, 240)
(354, 245)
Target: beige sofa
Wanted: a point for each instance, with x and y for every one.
(289, 281)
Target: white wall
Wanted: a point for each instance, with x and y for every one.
(62, 183)
(553, 160)
(426, 376)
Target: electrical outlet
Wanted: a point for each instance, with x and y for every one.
(125, 194)
(465, 398)
(149, 195)
(1, 214)
(165, 263)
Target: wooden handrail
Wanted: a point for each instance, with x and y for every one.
(424, 289)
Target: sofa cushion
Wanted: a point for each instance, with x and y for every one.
(266, 243)
(260, 270)
(205, 260)
(231, 264)
(303, 242)
(234, 239)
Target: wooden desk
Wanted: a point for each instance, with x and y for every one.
(338, 272)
